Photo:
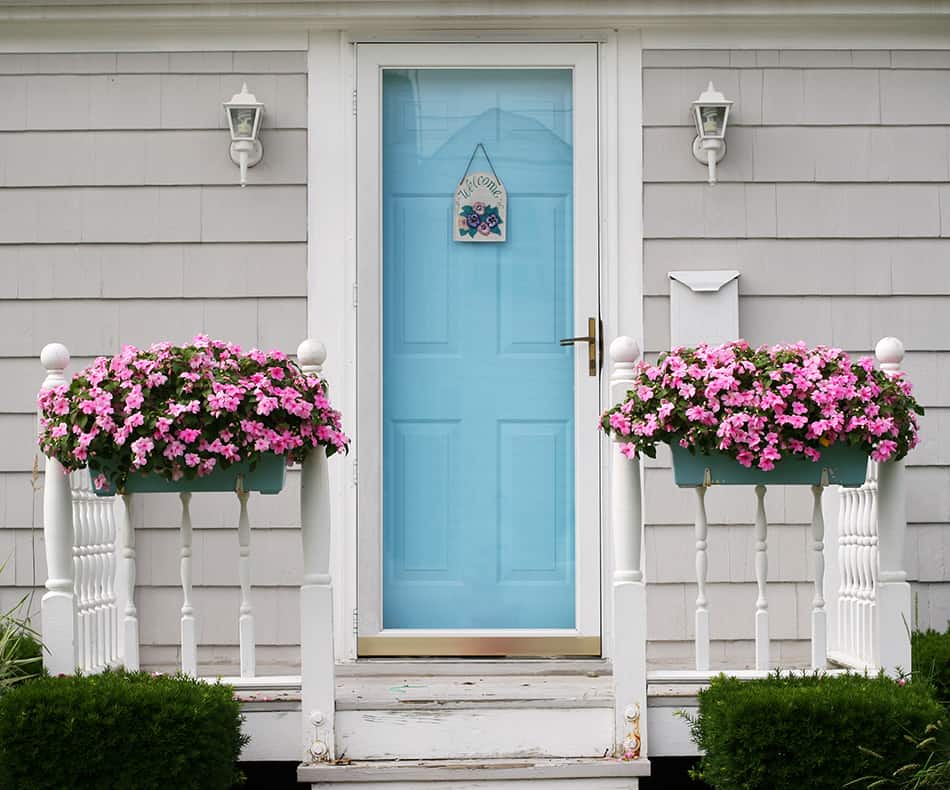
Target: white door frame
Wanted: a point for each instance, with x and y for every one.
(332, 293)
(372, 59)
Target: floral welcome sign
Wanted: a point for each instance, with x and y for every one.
(481, 208)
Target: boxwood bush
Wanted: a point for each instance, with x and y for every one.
(119, 730)
(931, 651)
(784, 732)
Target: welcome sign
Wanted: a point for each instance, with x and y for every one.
(481, 209)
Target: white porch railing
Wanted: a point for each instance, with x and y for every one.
(869, 597)
(90, 620)
(89, 617)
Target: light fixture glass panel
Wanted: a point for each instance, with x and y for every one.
(242, 122)
(712, 119)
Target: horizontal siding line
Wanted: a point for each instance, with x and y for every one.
(160, 184)
(938, 181)
(149, 130)
(779, 67)
(793, 238)
(133, 244)
(198, 243)
(772, 182)
(116, 187)
(142, 129)
(160, 72)
(652, 294)
(149, 299)
(191, 243)
(908, 459)
(814, 125)
(863, 297)
(805, 126)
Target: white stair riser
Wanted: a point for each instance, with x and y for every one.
(474, 733)
(501, 784)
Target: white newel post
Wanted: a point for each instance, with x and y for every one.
(893, 591)
(316, 592)
(59, 604)
(629, 589)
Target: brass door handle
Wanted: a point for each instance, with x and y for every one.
(592, 343)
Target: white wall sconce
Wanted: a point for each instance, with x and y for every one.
(245, 114)
(710, 114)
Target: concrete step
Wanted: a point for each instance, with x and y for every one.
(496, 774)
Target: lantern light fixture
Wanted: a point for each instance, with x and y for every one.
(245, 114)
(711, 115)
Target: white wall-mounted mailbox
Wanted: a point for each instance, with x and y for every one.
(704, 307)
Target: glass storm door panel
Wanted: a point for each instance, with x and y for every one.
(478, 396)
(478, 504)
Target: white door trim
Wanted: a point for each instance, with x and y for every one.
(582, 59)
(332, 256)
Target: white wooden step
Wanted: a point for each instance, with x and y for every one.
(591, 774)
(433, 717)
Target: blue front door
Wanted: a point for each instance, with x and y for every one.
(478, 396)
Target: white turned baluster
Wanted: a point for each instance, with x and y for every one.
(248, 661)
(629, 590)
(130, 620)
(702, 610)
(189, 644)
(318, 684)
(79, 569)
(761, 578)
(819, 625)
(112, 652)
(870, 646)
(893, 591)
(844, 569)
(861, 570)
(59, 601)
(102, 655)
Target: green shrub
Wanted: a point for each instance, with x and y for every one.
(931, 652)
(119, 730)
(790, 732)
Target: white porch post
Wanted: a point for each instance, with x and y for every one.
(893, 591)
(629, 590)
(316, 592)
(59, 603)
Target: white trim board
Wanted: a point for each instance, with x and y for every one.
(203, 27)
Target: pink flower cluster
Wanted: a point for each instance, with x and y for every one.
(760, 405)
(183, 411)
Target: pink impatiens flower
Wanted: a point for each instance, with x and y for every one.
(185, 411)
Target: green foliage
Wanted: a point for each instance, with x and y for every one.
(931, 652)
(21, 655)
(119, 730)
(814, 731)
(929, 768)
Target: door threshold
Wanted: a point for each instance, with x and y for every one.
(592, 667)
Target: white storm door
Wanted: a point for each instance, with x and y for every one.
(478, 504)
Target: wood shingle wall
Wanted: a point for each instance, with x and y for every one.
(834, 204)
(121, 221)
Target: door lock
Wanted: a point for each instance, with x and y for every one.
(593, 344)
